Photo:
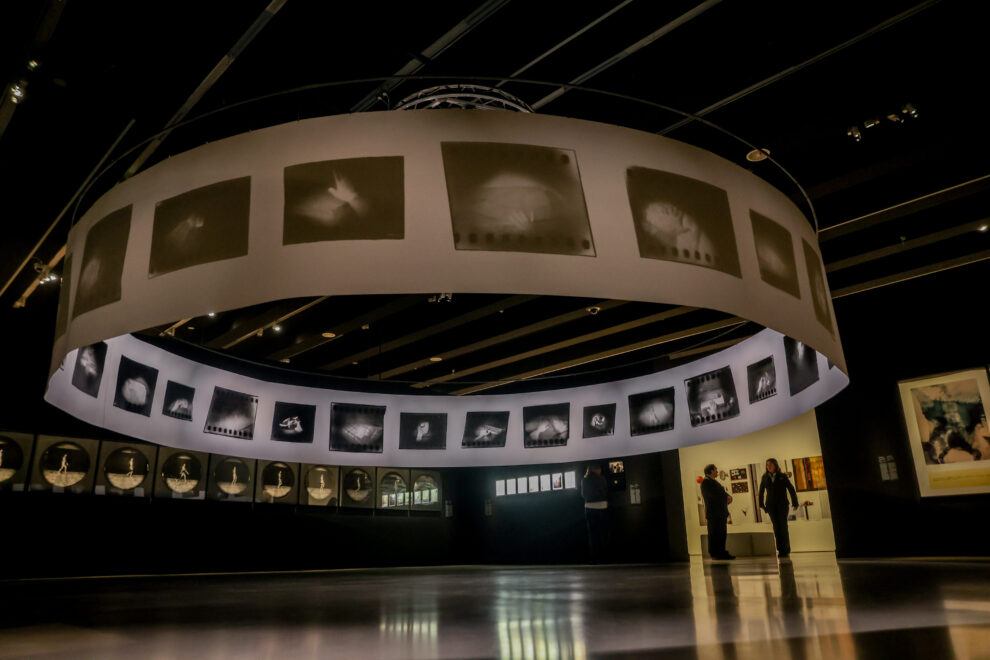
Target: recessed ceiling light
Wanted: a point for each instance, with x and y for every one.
(190, 327)
(365, 326)
(355, 362)
(329, 335)
(594, 309)
(756, 155)
(277, 328)
(984, 227)
(286, 360)
(436, 359)
(212, 314)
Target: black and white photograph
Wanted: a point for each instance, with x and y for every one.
(599, 421)
(201, 226)
(775, 254)
(485, 429)
(516, 198)
(547, 425)
(231, 479)
(87, 374)
(64, 465)
(682, 219)
(15, 452)
(802, 365)
(651, 412)
(393, 489)
(181, 474)
(425, 490)
(231, 414)
(293, 422)
(819, 289)
(102, 262)
(178, 401)
(761, 378)
(357, 428)
(135, 386)
(736, 474)
(319, 485)
(357, 487)
(276, 483)
(423, 431)
(125, 469)
(711, 397)
(952, 421)
(348, 199)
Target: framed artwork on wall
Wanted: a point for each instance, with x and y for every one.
(231, 478)
(426, 485)
(64, 465)
(15, 460)
(277, 482)
(126, 469)
(181, 474)
(321, 485)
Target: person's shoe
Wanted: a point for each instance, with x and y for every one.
(728, 556)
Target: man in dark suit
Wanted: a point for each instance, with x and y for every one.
(716, 511)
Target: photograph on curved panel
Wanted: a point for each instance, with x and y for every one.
(802, 365)
(135, 386)
(293, 422)
(65, 291)
(64, 465)
(485, 429)
(775, 254)
(682, 219)
(547, 425)
(393, 489)
(276, 483)
(425, 489)
(181, 474)
(319, 485)
(125, 469)
(15, 452)
(952, 422)
(762, 379)
(231, 479)
(231, 414)
(651, 412)
(819, 290)
(201, 226)
(357, 487)
(711, 397)
(87, 374)
(348, 199)
(102, 262)
(178, 402)
(356, 428)
(516, 198)
(599, 421)
(423, 431)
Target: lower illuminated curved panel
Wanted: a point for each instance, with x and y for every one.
(137, 389)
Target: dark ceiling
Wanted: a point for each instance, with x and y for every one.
(907, 200)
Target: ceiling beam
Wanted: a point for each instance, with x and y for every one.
(272, 316)
(904, 246)
(707, 348)
(914, 273)
(170, 330)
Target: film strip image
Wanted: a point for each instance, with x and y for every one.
(682, 219)
(182, 474)
(516, 198)
(485, 429)
(761, 377)
(651, 412)
(231, 414)
(547, 425)
(819, 290)
(103, 262)
(599, 420)
(277, 482)
(201, 226)
(802, 365)
(87, 374)
(178, 401)
(356, 428)
(231, 478)
(135, 386)
(293, 422)
(349, 199)
(775, 254)
(320, 483)
(126, 468)
(423, 431)
(711, 397)
(357, 487)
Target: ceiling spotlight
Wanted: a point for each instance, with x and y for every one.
(756, 155)
(366, 326)
(594, 309)
(355, 362)
(190, 327)
(909, 110)
(212, 314)
(984, 227)
(33, 64)
(285, 360)
(870, 123)
(894, 117)
(329, 335)
(854, 133)
(277, 328)
(436, 359)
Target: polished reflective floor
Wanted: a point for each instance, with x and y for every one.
(809, 607)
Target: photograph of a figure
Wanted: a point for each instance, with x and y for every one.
(232, 476)
(64, 464)
(178, 402)
(102, 262)
(682, 219)
(485, 429)
(599, 421)
(231, 414)
(11, 458)
(651, 412)
(135, 386)
(182, 473)
(819, 289)
(348, 199)
(320, 483)
(423, 431)
(802, 365)
(952, 422)
(761, 378)
(277, 480)
(516, 198)
(775, 254)
(711, 397)
(356, 428)
(201, 226)
(547, 425)
(126, 468)
(357, 486)
(87, 374)
(293, 422)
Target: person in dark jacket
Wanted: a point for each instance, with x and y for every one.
(594, 490)
(716, 512)
(774, 489)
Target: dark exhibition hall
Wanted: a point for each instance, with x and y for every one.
(494, 329)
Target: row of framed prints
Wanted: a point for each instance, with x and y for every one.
(78, 465)
(711, 397)
(536, 483)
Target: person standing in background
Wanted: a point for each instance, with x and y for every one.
(774, 489)
(594, 490)
(717, 502)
